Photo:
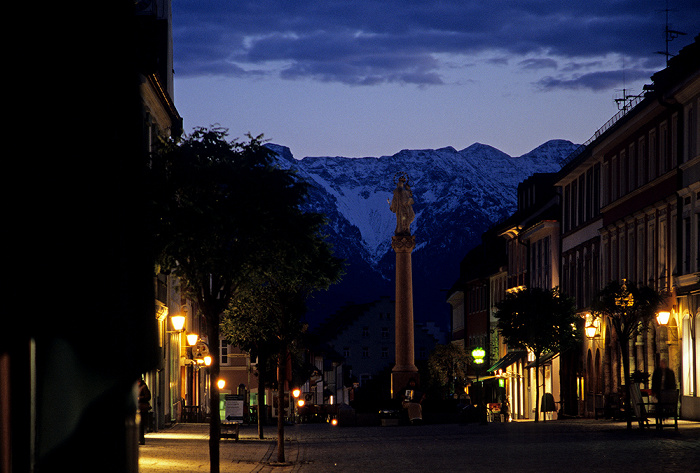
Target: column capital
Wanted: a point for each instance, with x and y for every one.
(403, 243)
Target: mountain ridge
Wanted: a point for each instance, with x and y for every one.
(458, 195)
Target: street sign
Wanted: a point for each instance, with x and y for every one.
(234, 405)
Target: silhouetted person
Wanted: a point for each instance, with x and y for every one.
(144, 405)
(663, 379)
(412, 401)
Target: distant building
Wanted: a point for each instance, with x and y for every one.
(364, 336)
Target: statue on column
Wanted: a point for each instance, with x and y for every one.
(402, 205)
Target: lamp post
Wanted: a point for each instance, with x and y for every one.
(295, 392)
(478, 355)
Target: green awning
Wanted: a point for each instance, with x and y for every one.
(506, 361)
(544, 360)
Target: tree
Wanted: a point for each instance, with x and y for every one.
(219, 208)
(627, 309)
(269, 316)
(539, 320)
(448, 367)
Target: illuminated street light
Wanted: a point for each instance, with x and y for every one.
(590, 331)
(662, 317)
(221, 383)
(178, 322)
(478, 354)
(207, 360)
(192, 339)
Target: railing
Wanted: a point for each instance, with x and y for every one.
(632, 102)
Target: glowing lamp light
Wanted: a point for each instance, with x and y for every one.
(192, 339)
(334, 421)
(296, 392)
(300, 403)
(178, 322)
(590, 331)
(207, 360)
(478, 354)
(662, 317)
(221, 383)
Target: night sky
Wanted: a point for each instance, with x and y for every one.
(370, 78)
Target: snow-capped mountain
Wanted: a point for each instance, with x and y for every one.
(458, 195)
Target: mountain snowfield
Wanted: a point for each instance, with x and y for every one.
(457, 194)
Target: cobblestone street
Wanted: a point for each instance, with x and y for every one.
(572, 445)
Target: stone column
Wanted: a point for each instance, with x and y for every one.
(405, 367)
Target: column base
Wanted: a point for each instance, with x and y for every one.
(399, 380)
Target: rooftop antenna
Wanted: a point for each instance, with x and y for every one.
(625, 102)
(670, 35)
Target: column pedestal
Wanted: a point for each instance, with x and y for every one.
(405, 367)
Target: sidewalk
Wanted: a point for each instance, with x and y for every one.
(185, 448)
(574, 445)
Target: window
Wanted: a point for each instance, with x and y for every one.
(692, 134)
(581, 198)
(574, 203)
(385, 353)
(624, 173)
(653, 170)
(687, 245)
(224, 352)
(365, 331)
(643, 162)
(634, 165)
(346, 352)
(365, 352)
(651, 256)
(674, 140)
(663, 148)
(385, 332)
(589, 194)
(687, 363)
(567, 210)
(596, 189)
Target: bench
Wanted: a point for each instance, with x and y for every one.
(230, 430)
(666, 407)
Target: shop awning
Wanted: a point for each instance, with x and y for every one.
(544, 360)
(506, 361)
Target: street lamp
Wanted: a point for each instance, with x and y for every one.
(178, 322)
(221, 383)
(192, 339)
(478, 354)
(590, 331)
(662, 317)
(295, 393)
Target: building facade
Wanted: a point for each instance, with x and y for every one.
(630, 214)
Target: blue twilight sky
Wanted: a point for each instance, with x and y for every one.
(370, 78)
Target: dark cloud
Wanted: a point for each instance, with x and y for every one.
(597, 81)
(541, 63)
(380, 41)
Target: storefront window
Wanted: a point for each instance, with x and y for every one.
(696, 355)
(688, 361)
